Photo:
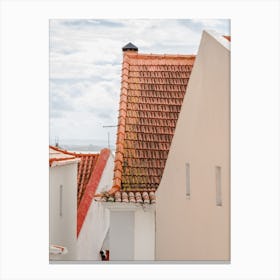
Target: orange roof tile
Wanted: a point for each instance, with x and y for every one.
(91, 187)
(58, 156)
(227, 37)
(152, 92)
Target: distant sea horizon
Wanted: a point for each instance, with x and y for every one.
(83, 145)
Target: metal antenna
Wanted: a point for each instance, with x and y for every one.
(109, 126)
(56, 140)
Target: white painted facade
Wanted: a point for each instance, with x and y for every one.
(96, 223)
(63, 207)
(144, 234)
(132, 231)
(193, 198)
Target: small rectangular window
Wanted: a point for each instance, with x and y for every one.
(188, 182)
(60, 200)
(218, 186)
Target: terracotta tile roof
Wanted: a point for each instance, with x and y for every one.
(85, 169)
(58, 156)
(91, 187)
(134, 197)
(227, 37)
(152, 92)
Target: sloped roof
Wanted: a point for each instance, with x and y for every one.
(152, 91)
(91, 187)
(227, 37)
(57, 157)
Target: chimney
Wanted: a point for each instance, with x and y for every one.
(130, 47)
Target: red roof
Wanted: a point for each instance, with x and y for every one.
(91, 187)
(56, 157)
(85, 171)
(227, 37)
(152, 92)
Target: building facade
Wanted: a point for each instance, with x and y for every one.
(77, 221)
(193, 199)
(63, 203)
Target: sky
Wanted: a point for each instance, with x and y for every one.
(85, 68)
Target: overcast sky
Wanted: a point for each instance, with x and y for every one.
(85, 68)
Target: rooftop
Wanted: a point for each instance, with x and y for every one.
(227, 37)
(152, 91)
(57, 157)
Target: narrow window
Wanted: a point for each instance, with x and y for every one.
(218, 186)
(188, 183)
(60, 200)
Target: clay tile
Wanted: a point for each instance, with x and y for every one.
(124, 197)
(116, 182)
(152, 197)
(145, 197)
(118, 196)
(111, 199)
(138, 197)
(131, 197)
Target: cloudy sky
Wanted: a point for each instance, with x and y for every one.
(85, 68)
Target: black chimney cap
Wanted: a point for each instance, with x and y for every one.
(129, 47)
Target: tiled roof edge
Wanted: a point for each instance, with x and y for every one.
(160, 56)
(52, 160)
(227, 37)
(91, 188)
(121, 126)
(71, 153)
(218, 37)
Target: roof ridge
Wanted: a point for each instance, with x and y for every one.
(91, 187)
(72, 153)
(167, 56)
(121, 124)
(51, 160)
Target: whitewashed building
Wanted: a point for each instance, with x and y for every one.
(80, 218)
(63, 203)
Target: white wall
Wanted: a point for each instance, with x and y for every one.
(132, 232)
(121, 235)
(96, 223)
(195, 228)
(144, 235)
(63, 228)
(93, 232)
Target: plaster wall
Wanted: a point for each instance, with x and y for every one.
(132, 232)
(96, 223)
(63, 208)
(194, 227)
(121, 235)
(144, 235)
